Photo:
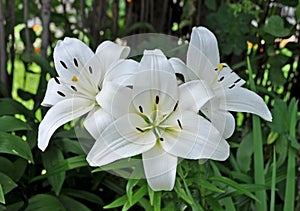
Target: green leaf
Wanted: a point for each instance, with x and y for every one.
(297, 13)
(7, 183)
(10, 107)
(44, 202)
(233, 184)
(136, 197)
(2, 199)
(81, 194)
(64, 165)
(72, 204)
(244, 153)
(208, 186)
(9, 123)
(14, 145)
(51, 158)
(275, 27)
(117, 203)
(129, 188)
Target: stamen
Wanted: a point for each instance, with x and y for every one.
(179, 123)
(56, 80)
(221, 79)
(75, 62)
(238, 80)
(231, 86)
(156, 99)
(139, 129)
(174, 109)
(161, 139)
(74, 79)
(61, 94)
(63, 64)
(74, 88)
(90, 69)
(141, 109)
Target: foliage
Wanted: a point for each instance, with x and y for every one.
(255, 39)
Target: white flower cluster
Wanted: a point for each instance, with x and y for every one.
(134, 108)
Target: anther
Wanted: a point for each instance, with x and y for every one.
(179, 123)
(56, 80)
(231, 86)
(75, 62)
(238, 80)
(141, 109)
(74, 88)
(74, 79)
(90, 69)
(156, 99)
(139, 129)
(161, 139)
(61, 94)
(174, 109)
(221, 79)
(63, 64)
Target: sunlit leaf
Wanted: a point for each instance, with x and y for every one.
(14, 145)
(9, 123)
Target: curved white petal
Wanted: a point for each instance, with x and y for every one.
(97, 121)
(221, 119)
(228, 78)
(115, 99)
(121, 72)
(194, 94)
(121, 139)
(56, 92)
(109, 52)
(61, 113)
(243, 100)
(70, 57)
(198, 139)
(155, 82)
(160, 168)
(181, 68)
(203, 53)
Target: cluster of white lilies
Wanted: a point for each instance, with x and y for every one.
(133, 108)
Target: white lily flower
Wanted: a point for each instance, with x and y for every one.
(159, 120)
(203, 63)
(82, 75)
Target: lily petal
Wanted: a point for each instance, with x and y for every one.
(70, 56)
(198, 139)
(155, 82)
(115, 99)
(121, 72)
(109, 52)
(194, 94)
(56, 92)
(97, 121)
(160, 168)
(181, 68)
(203, 53)
(61, 113)
(121, 139)
(243, 100)
(221, 119)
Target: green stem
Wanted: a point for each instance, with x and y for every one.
(273, 186)
(289, 198)
(259, 176)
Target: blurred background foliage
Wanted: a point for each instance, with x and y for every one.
(259, 39)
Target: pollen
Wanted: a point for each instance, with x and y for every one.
(220, 66)
(74, 79)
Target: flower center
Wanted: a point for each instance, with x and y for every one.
(159, 122)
